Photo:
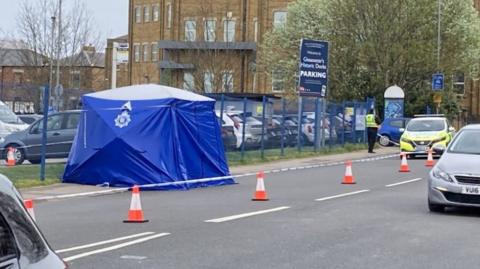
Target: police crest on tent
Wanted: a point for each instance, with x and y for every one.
(123, 119)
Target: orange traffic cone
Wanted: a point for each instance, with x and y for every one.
(10, 157)
(29, 206)
(135, 214)
(404, 165)
(430, 162)
(260, 193)
(348, 178)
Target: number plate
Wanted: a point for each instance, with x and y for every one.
(475, 190)
(421, 148)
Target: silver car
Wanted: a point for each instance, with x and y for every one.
(27, 144)
(455, 179)
(21, 243)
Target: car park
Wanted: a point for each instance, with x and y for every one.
(26, 144)
(22, 245)
(391, 130)
(9, 122)
(424, 132)
(455, 179)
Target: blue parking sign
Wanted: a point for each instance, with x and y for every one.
(313, 75)
(437, 82)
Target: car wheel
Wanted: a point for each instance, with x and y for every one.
(18, 153)
(384, 141)
(435, 207)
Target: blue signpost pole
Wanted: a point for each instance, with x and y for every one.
(46, 98)
(243, 125)
(282, 144)
(300, 134)
(315, 138)
(264, 101)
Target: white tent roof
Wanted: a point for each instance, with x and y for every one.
(147, 92)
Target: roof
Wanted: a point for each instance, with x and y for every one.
(429, 118)
(20, 57)
(86, 58)
(147, 92)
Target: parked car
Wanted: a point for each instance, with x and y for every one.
(9, 122)
(390, 130)
(61, 129)
(290, 134)
(22, 244)
(455, 179)
(228, 135)
(30, 118)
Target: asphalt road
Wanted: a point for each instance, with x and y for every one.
(311, 221)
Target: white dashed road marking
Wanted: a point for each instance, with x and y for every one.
(245, 215)
(341, 195)
(403, 182)
(115, 247)
(103, 242)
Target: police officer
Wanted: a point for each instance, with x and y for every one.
(371, 122)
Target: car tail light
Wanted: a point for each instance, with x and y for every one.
(309, 129)
(237, 125)
(66, 264)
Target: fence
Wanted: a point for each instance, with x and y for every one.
(257, 126)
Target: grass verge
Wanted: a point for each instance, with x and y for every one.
(254, 157)
(25, 176)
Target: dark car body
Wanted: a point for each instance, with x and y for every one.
(22, 244)
(30, 118)
(61, 130)
(390, 129)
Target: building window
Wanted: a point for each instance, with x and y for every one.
(154, 52)
(229, 30)
(227, 81)
(75, 78)
(146, 50)
(278, 83)
(255, 30)
(279, 19)
(138, 14)
(208, 82)
(188, 81)
(190, 30)
(17, 79)
(146, 13)
(156, 12)
(169, 15)
(210, 30)
(136, 52)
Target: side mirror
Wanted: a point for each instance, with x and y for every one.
(439, 149)
(451, 129)
(401, 130)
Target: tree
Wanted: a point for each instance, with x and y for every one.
(214, 65)
(375, 44)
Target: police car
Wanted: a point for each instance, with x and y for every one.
(424, 132)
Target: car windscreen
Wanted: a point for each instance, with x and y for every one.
(466, 142)
(7, 116)
(426, 125)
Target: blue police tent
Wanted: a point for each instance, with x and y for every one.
(148, 135)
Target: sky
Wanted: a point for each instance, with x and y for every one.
(111, 16)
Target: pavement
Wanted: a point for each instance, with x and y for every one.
(66, 190)
(310, 221)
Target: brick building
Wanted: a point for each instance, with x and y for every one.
(22, 73)
(202, 45)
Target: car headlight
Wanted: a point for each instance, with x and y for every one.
(439, 139)
(438, 173)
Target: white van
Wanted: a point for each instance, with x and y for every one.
(9, 122)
